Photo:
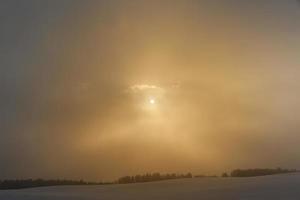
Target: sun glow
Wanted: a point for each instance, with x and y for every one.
(152, 101)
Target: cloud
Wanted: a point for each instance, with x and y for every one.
(144, 87)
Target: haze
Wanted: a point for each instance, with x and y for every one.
(101, 89)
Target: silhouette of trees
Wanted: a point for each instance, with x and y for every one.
(225, 175)
(205, 176)
(151, 177)
(28, 183)
(259, 172)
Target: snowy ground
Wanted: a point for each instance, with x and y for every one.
(277, 187)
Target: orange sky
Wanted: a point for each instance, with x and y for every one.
(78, 78)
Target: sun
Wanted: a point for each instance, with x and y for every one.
(152, 101)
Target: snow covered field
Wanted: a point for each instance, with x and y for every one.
(277, 187)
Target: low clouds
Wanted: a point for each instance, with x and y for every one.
(146, 91)
(143, 87)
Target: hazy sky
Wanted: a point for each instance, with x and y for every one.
(100, 89)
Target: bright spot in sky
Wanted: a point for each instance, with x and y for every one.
(152, 101)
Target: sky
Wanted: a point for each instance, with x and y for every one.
(101, 89)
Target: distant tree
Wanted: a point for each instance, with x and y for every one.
(259, 172)
(27, 183)
(225, 175)
(189, 175)
(151, 177)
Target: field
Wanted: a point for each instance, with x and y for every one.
(281, 187)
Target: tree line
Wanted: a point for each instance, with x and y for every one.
(257, 172)
(151, 177)
(148, 177)
(28, 183)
